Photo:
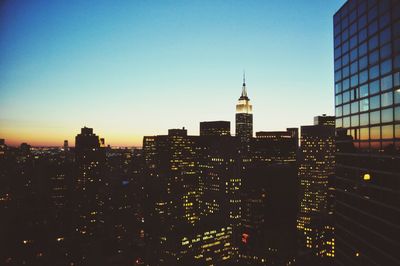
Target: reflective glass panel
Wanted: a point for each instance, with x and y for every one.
(386, 83)
(386, 66)
(364, 105)
(386, 99)
(364, 90)
(375, 117)
(374, 72)
(354, 107)
(364, 119)
(374, 102)
(387, 115)
(387, 132)
(374, 87)
(364, 133)
(375, 132)
(354, 121)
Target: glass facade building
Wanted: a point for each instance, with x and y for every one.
(367, 109)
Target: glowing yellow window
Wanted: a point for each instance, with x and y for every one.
(367, 177)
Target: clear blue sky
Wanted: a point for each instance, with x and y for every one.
(134, 68)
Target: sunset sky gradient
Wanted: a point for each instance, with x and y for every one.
(135, 68)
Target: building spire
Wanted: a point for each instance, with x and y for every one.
(244, 91)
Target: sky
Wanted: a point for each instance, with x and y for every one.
(135, 68)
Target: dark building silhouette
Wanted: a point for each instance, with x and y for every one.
(367, 101)
(89, 198)
(192, 205)
(269, 200)
(316, 163)
(324, 120)
(215, 128)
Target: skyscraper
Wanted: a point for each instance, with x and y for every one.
(269, 200)
(316, 167)
(367, 101)
(193, 203)
(89, 196)
(244, 118)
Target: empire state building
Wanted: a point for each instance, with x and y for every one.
(244, 117)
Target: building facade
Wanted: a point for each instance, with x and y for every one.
(367, 101)
(316, 167)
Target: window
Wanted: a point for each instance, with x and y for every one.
(386, 83)
(354, 67)
(386, 99)
(396, 29)
(387, 115)
(354, 80)
(345, 84)
(338, 99)
(397, 96)
(346, 97)
(346, 109)
(396, 79)
(397, 131)
(345, 59)
(363, 63)
(374, 72)
(353, 42)
(353, 54)
(386, 66)
(375, 132)
(364, 119)
(397, 114)
(386, 51)
(362, 7)
(337, 29)
(387, 132)
(345, 34)
(362, 35)
(375, 117)
(363, 76)
(346, 121)
(374, 87)
(373, 43)
(354, 121)
(374, 57)
(338, 111)
(374, 102)
(385, 36)
(372, 28)
(362, 49)
(346, 72)
(338, 63)
(338, 75)
(338, 52)
(364, 133)
(384, 20)
(338, 123)
(353, 28)
(364, 105)
(345, 22)
(338, 87)
(396, 62)
(354, 107)
(373, 13)
(345, 47)
(364, 90)
(338, 40)
(362, 21)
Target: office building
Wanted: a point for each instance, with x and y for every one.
(215, 128)
(316, 162)
(269, 200)
(367, 102)
(244, 118)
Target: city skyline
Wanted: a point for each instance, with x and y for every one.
(93, 56)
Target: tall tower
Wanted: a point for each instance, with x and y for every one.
(367, 102)
(244, 117)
